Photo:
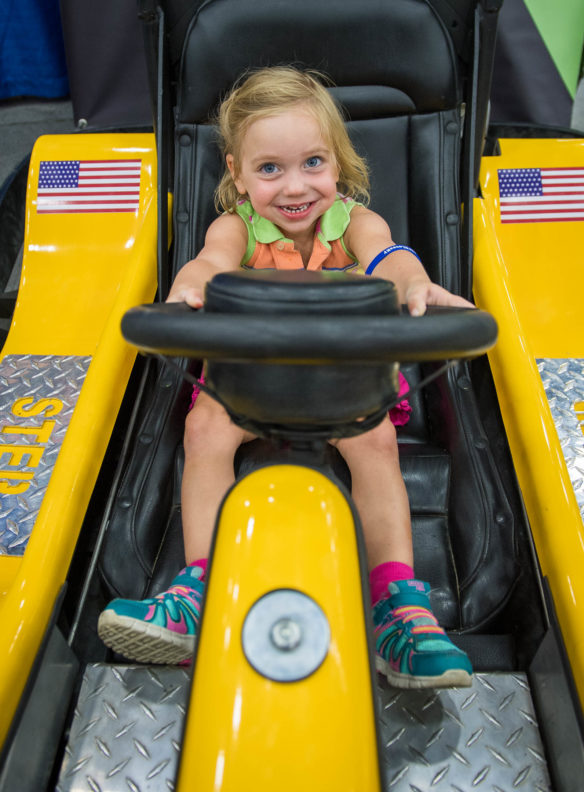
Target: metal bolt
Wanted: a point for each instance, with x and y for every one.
(286, 634)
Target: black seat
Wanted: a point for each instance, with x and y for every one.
(399, 75)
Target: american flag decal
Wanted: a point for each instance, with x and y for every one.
(68, 186)
(537, 195)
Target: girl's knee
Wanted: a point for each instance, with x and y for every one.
(208, 426)
(380, 440)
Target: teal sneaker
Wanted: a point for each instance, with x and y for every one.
(412, 650)
(158, 630)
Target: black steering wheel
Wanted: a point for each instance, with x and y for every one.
(174, 329)
(337, 339)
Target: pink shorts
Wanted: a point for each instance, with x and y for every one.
(398, 415)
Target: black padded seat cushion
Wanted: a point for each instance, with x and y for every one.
(427, 469)
(144, 548)
(471, 571)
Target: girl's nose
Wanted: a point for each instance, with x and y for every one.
(294, 183)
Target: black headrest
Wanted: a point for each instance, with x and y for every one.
(365, 47)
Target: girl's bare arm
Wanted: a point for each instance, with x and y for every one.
(367, 235)
(224, 248)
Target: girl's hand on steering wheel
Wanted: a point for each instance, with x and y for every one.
(188, 294)
(422, 293)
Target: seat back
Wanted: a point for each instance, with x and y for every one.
(402, 100)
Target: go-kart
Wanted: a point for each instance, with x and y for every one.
(92, 459)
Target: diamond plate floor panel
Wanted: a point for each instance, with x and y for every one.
(126, 731)
(126, 734)
(480, 738)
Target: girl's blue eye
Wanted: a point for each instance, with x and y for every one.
(313, 162)
(268, 168)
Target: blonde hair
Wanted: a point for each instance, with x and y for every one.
(269, 92)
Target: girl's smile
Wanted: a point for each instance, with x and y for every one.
(297, 212)
(287, 171)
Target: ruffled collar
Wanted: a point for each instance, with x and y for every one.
(330, 226)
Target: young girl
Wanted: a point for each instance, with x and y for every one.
(290, 168)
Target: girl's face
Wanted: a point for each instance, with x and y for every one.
(287, 170)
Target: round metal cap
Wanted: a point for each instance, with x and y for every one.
(285, 635)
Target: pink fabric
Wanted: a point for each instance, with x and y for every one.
(196, 391)
(384, 574)
(398, 415)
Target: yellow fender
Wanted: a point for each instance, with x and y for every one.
(285, 529)
(64, 369)
(528, 274)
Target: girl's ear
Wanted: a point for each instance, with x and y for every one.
(230, 162)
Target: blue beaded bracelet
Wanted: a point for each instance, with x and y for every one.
(380, 256)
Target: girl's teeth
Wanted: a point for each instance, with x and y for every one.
(294, 209)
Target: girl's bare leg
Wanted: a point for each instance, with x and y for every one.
(425, 655)
(210, 443)
(379, 493)
(162, 629)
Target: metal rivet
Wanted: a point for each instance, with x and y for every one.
(286, 634)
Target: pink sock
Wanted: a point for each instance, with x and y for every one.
(383, 574)
(202, 562)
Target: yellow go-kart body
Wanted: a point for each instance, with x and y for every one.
(528, 271)
(507, 583)
(64, 370)
(290, 528)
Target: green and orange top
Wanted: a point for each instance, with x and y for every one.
(268, 248)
